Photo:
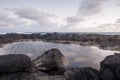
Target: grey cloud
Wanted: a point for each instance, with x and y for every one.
(40, 17)
(74, 19)
(3, 16)
(105, 25)
(90, 7)
(27, 19)
(8, 22)
(115, 24)
(87, 8)
(108, 27)
(72, 22)
(118, 3)
(118, 20)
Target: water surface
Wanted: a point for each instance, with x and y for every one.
(78, 56)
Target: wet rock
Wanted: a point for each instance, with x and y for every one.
(86, 73)
(14, 63)
(110, 67)
(51, 60)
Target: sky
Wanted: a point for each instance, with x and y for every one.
(59, 16)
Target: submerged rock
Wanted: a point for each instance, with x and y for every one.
(86, 73)
(110, 67)
(14, 63)
(51, 60)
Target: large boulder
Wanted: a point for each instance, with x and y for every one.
(110, 67)
(86, 73)
(14, 63)
(51, 60)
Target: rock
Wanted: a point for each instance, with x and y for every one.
(51, 78)
(33, 76)
(14, 63)
(110, 67)
(117, 71)
(39, 73)
(110, 62)
(36, 76)
(13, 76)
(107, 74)
(86, 73)
(51, 60)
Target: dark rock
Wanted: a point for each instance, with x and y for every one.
(32, 76)
(117, 71)
(61, 71)
(22, 76)
(110, 62)
(13, 76)
(51, 78)
(107, 74)
(86, 73)
(41, 76)
(110, 67)
(14, 63)
(51, 60)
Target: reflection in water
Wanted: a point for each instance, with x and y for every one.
(78, 56)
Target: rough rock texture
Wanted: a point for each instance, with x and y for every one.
(110, 67)
(51, 60)
(86, 73)
(14, 63)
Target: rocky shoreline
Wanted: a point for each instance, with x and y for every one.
(107, 42)
(51, 65)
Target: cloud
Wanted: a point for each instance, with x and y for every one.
(42, 18)
(27, 20)
(3, 16)
(118, 3)
(72, 23)
(108, 27)
(74, 19)
(10, 23)
(87, 8)
(118, 20)
(90, 7)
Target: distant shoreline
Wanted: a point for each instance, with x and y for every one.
(107, 42)
(101, 33)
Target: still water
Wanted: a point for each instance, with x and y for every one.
(78, 56)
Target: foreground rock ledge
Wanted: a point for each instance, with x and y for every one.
(18, 67)
(110, 67)
(15, 63)
(86, 73)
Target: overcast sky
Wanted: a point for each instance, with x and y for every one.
(59, 16)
